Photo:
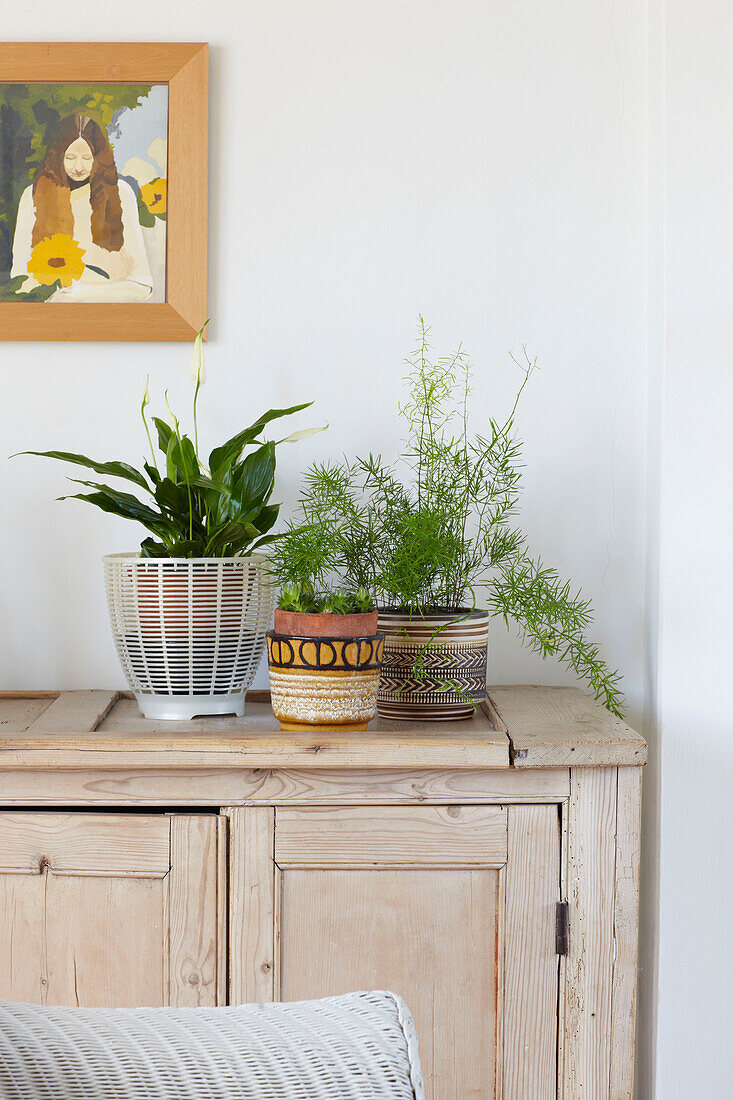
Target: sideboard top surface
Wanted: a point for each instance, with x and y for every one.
(522, 727)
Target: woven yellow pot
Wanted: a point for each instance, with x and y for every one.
(324, 682)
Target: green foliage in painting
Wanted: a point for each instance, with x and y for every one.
(147, 220)
(28, 115)
(12, 291)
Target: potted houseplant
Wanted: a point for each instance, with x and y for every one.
(324, 654)
(432, 538)
(189, 611)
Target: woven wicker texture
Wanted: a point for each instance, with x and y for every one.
(188, 628)
(356, 1047)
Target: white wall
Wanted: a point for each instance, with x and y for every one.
(500, 168)
(478, 162)
(695, 1041)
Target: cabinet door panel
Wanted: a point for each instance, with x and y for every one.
(452, 907)
(110, 910)
(530, 1022)
(452, 836)
(398, 930)
(21, 936)
(87, 844)
(102, 940)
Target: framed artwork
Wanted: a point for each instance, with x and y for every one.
(103, 190)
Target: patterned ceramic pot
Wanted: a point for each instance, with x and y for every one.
(451, 647)
(324, 681)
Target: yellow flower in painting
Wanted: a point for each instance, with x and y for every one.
(155, 195)
(56, 257)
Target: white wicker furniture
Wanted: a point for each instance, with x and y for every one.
(189, 632)
(361, 1046)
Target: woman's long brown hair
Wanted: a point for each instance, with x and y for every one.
(52, 195)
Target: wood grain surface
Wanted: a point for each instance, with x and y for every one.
(113, 909)
(355, 836)
(562, 727)
(531, 980)
(590, 961)
(190, 786)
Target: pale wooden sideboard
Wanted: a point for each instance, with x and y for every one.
(486, 870)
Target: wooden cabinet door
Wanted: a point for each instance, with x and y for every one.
(452, 907)
(111, 909)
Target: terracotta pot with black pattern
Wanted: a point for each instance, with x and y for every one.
(324, 669)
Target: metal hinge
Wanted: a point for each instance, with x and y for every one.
(561, 928)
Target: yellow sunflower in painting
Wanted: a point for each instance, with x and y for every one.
(56, 257)
(155, 195)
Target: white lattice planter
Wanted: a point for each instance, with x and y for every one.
(189, 632)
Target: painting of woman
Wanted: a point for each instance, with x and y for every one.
(81, 219)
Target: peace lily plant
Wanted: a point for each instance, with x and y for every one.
(189, 611)
(194, 508)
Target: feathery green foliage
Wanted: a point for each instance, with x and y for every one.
(431, 535)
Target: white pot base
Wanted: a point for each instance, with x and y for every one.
(182, 708)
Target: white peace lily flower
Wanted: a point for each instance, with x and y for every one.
(146, 393)
(172, 419)
(198, 370)
(304, 433)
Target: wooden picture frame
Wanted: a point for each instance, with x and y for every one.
(184, 68)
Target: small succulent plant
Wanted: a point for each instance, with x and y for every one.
(362, 601)
(298, 597)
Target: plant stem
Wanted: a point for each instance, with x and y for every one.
(150, 440)
(195, 422)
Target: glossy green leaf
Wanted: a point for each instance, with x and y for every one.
(184, 457)
(152, 473)
(173, 497)
(187, 548)
(266, 541)
(124, 505)
(149, 548)
(194, 512)
(236, 536)
(254, 482)
(201, 481)
(164, 433)
(266, 518)
(170, 467)
(223, 457)
(135, 507)
(109, 469)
